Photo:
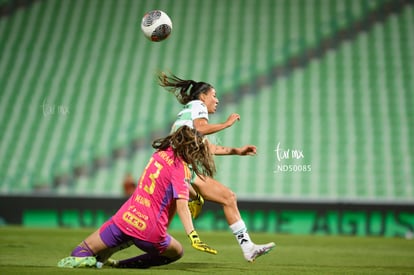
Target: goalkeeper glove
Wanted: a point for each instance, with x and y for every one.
(199, 245)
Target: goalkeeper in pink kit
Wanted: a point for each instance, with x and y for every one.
(144, 218)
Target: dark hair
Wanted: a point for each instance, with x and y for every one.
(190, 146)
(184, 90)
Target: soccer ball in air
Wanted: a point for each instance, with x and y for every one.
(156, 25)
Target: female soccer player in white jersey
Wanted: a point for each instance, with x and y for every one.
(200, 100)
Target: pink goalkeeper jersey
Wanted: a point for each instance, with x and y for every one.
(148, 212)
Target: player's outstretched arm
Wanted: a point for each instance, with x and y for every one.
(246, 150)
(185, 217)
(202, 125)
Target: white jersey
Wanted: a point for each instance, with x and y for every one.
(192, 110)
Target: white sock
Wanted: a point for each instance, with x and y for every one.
(240, 232)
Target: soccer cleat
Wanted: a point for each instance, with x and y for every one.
(258, 250)
(195, 206)
(71, 262)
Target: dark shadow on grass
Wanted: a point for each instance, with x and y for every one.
(199, 267)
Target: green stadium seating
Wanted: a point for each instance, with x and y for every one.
(87, 63)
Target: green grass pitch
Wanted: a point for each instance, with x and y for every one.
(37, 250)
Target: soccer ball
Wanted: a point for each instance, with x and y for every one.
(156, 25)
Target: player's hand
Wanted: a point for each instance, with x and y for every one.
(232, 119)
(199, 245)
(247, 150)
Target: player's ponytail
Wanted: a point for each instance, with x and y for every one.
(190, 146)
(184, 90)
